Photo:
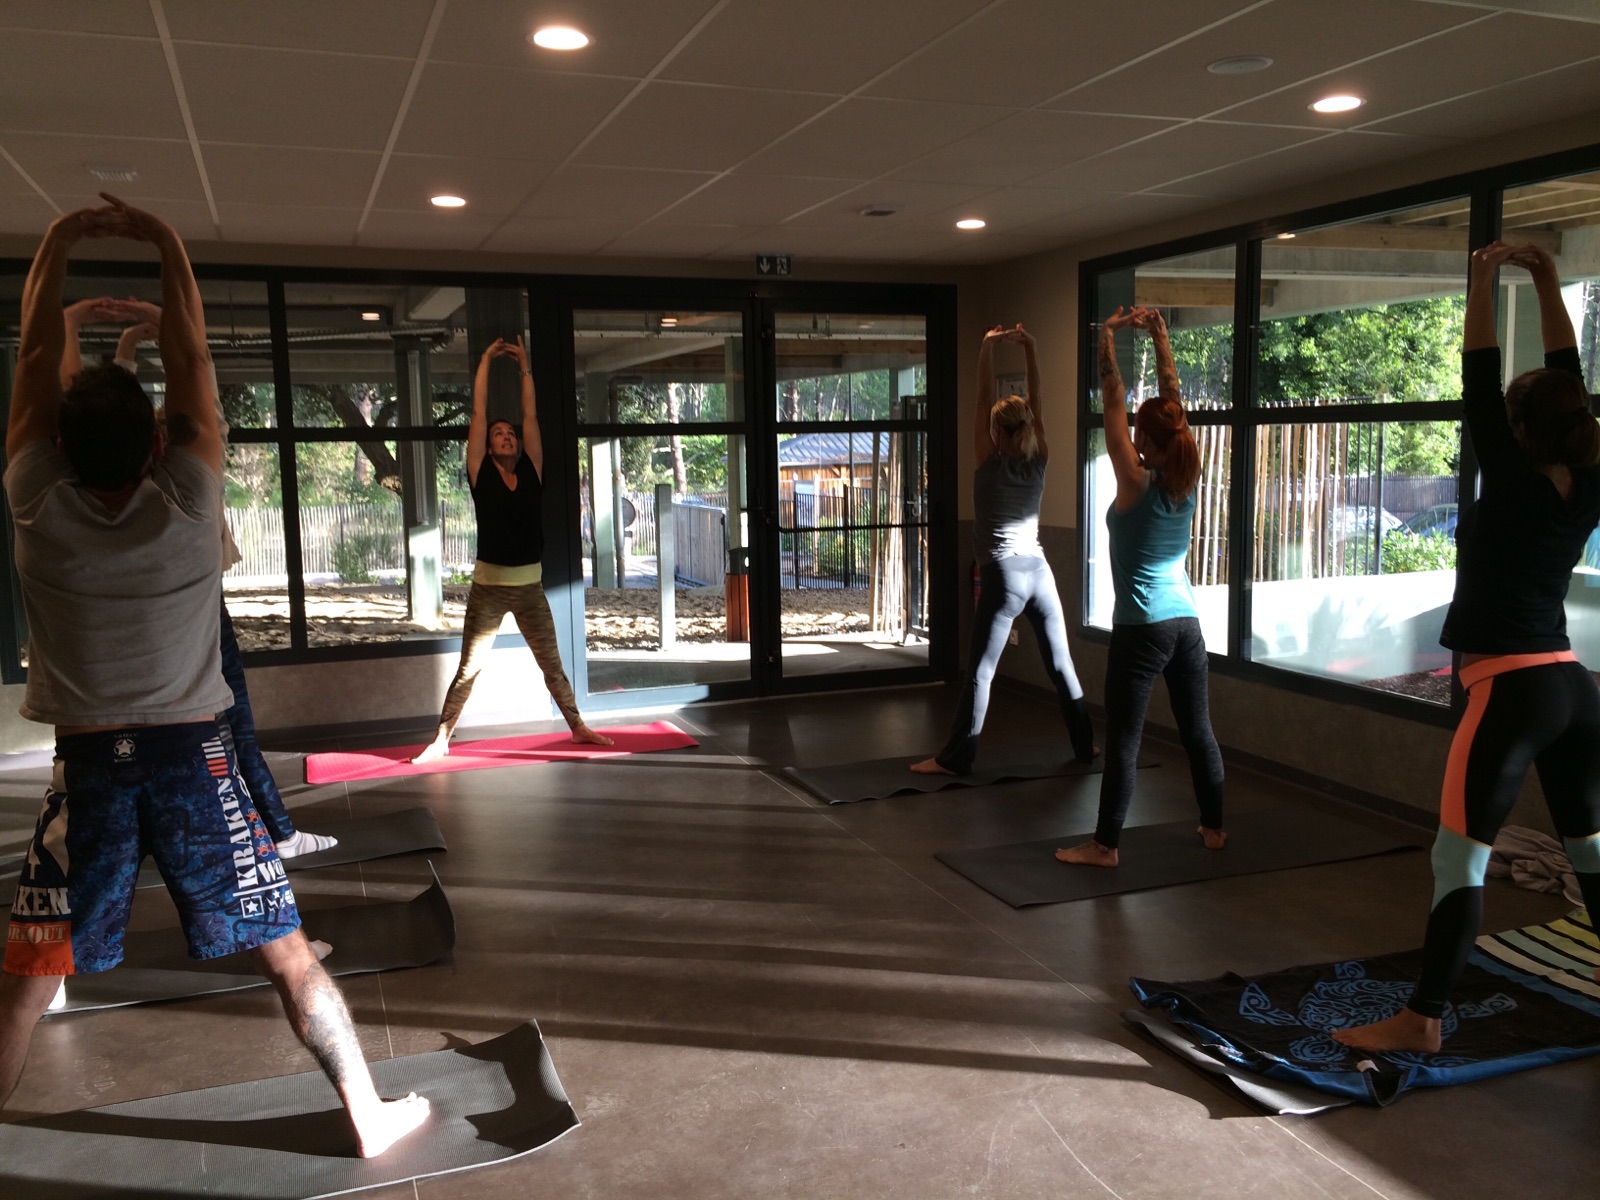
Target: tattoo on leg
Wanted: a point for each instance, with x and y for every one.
(323, 1023)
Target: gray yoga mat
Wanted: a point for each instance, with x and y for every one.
(361, 839)
(1163, 855)
(1275, 1096)
(879, 778)
(365, 938)
(287, 1138)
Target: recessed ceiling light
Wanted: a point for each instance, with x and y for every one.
(1284, 237)
(669, 322)
(448, 202)
(112, 172)
(1337, 104)
(370, 315)
(559, 37)
(1240, 64)
(971, 223)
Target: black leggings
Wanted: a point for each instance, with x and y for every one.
(1530, 710)
(238, 725)
(1018, 585)
(1174, 650)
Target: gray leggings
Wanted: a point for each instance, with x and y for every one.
(487, 605)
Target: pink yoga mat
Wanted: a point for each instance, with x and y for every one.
(524, 751)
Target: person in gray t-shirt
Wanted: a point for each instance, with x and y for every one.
(119, 553)
(1014, 580)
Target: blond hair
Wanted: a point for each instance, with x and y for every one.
(1014, 417)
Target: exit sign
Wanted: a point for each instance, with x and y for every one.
(772, 264)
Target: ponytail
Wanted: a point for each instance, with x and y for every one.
(1164, 424)
(1553, 409)
(1013, 416)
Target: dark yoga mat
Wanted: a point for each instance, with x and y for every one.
(287, 1138)
(1162, 855)
(365, 938)
(879, 778)
(1526, 998)
(361, 839)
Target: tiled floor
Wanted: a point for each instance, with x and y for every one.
(748, 994)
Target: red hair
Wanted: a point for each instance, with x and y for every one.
(1166, 427)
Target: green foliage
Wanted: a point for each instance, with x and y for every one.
(1204, 357)
(1406, 551)
(353, 556)
(1385, 352)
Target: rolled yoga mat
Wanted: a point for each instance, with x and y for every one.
(287, 1138)
(879, 778)
(1527, 998)
(360, 840)
(1154, 856)
(384, 936)
(394, 761)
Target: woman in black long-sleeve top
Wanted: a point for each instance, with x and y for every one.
(1529, 701)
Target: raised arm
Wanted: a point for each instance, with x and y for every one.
(1132, 478)
(982, 438)
(1035, 396)
(532, 442)
(1482, 400)
(1555, 322)
(185, 357)
(74, 317)
(1153, 323)
(478, 426)
(36, 394)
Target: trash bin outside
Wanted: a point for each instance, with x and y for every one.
(736, 594)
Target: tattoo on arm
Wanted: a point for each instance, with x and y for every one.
(1110, 376)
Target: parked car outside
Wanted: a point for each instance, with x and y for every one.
(1440, 518)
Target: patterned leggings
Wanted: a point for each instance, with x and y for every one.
(487, 605)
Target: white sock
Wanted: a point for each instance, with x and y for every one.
(305, 843)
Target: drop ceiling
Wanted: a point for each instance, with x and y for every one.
(718, 129)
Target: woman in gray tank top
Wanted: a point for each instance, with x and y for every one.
(1014, 578)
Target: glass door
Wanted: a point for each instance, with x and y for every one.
(849, 411)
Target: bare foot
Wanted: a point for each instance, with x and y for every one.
(435, 749)
(1089, 854)
(1406, 1030)
(321, 949)
(1215, 839)
(586, 736)
(381, 1126)
(930, 766)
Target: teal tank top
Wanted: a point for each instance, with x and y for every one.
(1149, 549)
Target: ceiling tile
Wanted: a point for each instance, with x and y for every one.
(582, 192)
(1497, 49)
(753, 200)
(677, 241)
(1027, 145)
(1027, 51)
(1176, 153)
(865, 138)
(66, 83)
(819, 46)
(277, 222)
(293, 176)
(491, 187)
(59, 164)
(1176, 83)
(626, 37)
(685, 126)
(1509, 106)
(25, 212)
(129, 19)
(497, 112)
(535, 235)
(1113, 212)
(291, 97)
(793, 240)
(392, 27)
(910, 200)
(438, 230)
(1001, 248)
(1320, 158)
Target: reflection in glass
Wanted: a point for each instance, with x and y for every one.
(1208, 546)
(660, 544)
(1368, 311)
(1354, 552)
(636, 367)
(1195, 294)
(849, 367)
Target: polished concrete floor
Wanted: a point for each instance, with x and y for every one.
(749, 994)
